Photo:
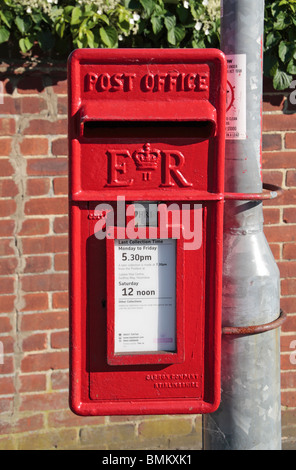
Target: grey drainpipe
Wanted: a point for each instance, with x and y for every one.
(249, 417)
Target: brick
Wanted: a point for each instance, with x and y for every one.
(280, 233)
(7, 285)
(32, 302)
(6, 326)
(271, 142)
(165, 427)
(46, 127)
(37, 264)
(287, 198)
(109, 434)
(22, 425)
(6, 404)
(275, 160)
(8, 188)
(34, 227)
(276, 250)
(35, 342)
(47, 166)
(8, 344)
(7, 126)
(60, 147)
(271, 216)
(279, 122)
(288, 399)
(6, 169)
(32, 383)
(8, 265)
(60, 300)
(290, 140)
(290, 324)
(6, 387)
(34, 146)
(59, 340)
(61, 262)
(288, 286)
(44, 282)
(49, 244)
(44, 401)
(7, 207)
(8, 366)
(6, 305)
(45, 361)
(49, 440)
(289, 251)
(62, 105)
(5, 146)
(32, 105)
(291, 178)
(60, 186)
(288, 380)
(61, 224)
(289, 215)
(44, 321)
(43, 206)
(60, 85)
(273, 102)
(6, 228)
(59, 380)
(6, 247)
(287, 268)
(65, 418)
(38, 186)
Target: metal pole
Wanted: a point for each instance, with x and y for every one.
(249, 417)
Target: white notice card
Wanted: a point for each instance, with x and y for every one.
(145, 295)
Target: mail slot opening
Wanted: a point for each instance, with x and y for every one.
(164, 129)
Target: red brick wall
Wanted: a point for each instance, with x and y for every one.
(34, 411)
(279, 163)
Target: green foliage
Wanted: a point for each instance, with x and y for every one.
(55, 27)
(280, 42)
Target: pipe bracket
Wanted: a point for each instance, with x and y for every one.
(255, 329)
(270, 191)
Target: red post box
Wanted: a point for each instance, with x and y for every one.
(146, 146)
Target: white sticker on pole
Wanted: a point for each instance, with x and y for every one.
(236, 97)
(145, 295)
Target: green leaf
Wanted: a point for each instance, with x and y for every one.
(148, 6)
(281, 80)
(4, 34)
(282, 21)
(170, 22)
(90, 38)
(272, 38)
(109, 36)
(291, 68)
(23, 24)
(157, 24)
(75, 16)
(25, 44)
(283, 51)
(4, 18)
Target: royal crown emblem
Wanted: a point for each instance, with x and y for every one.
(146, 158)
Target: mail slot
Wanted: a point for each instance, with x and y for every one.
(146, 192)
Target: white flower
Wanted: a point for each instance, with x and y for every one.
(186, 4)
(198, 26)
(29, 10)
(136, 17)
(120, 37)
(207, 32)
(131, 21)
(205, 2)
(99, 11)
(49, 1)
